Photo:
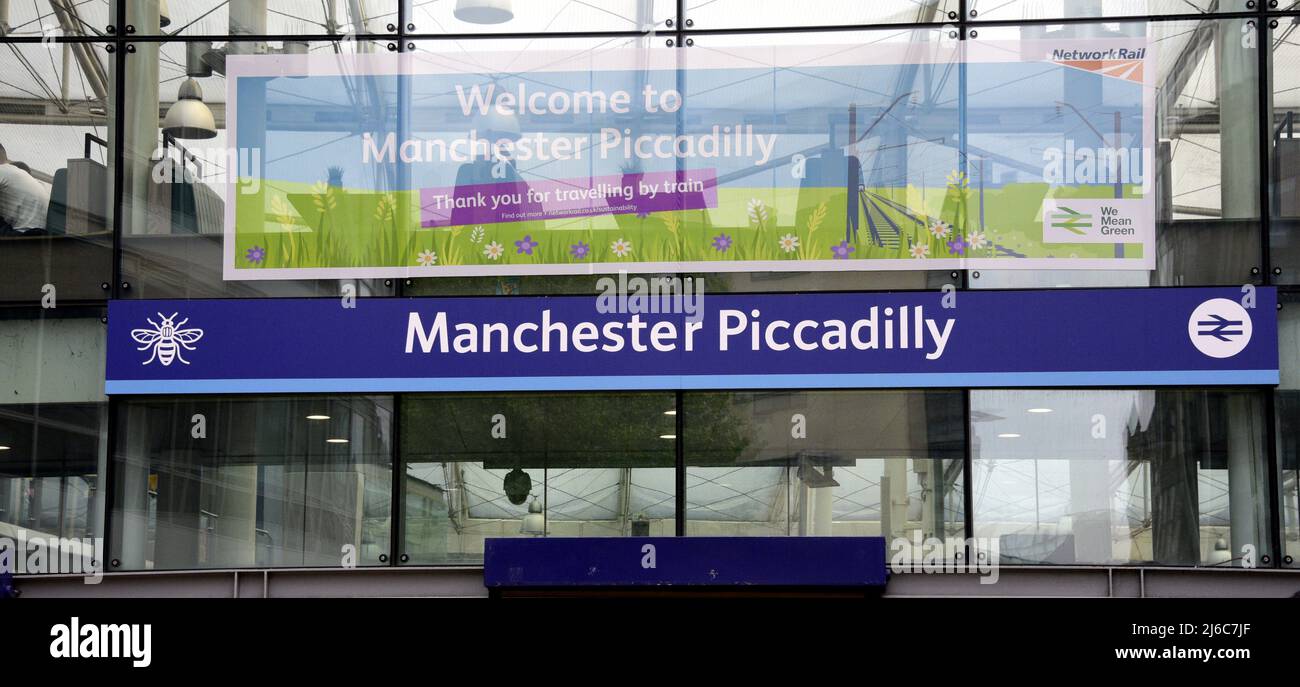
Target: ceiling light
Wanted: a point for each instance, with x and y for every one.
(667, 436)
(318, 417)
(188, 117)
(670, 412)
(1040, 410)
(4, 448)
(484, 11)
(336, 441)
(1009, 435)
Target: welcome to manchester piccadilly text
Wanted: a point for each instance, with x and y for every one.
(721, 140)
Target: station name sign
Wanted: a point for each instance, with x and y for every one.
(1068, 337)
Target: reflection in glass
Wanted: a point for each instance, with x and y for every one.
(1287, 400)
(252, 481)
(55, 171)
(177, 167)
(52, 423)
(1122, 476)
(1285, 139)
(509, 465)
(261, 17)
(1205, 165)
(825, 463)
(729, 14)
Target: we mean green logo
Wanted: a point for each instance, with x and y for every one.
(1071, 220)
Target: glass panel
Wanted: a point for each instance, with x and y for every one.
(787, 111)
(1285, 137)
(1288, 426)
(1206, 160)
(433, 108)
(479, 466)
(537, 16)
(55, 172)
(261, 17)
(821, 462)
(208, 482)
(731, 14)
(52, 422)
(55, 18)
(1007, 10)
(175, 185)
(1121, 476)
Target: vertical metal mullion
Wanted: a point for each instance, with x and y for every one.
(118, 156)
(968, 491)
(679, 420)
(1263, 79)
(1264, 93)
(679, 447)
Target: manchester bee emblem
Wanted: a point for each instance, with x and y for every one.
(167, 339)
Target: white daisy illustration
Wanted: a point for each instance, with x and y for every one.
(788, 243)
(426, 258)
(940, 229)
(977, 240)
(493, 251)
(920, 250)
(621, 247)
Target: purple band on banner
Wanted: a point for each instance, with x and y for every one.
(518, 201)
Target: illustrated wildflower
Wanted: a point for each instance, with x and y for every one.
(721, 243)
(579, 250)
(842, 249)
(940, 229)
(526, 246)
(621, 247)
(976, 240)
(957, 246)
(255, 255)
(788, 243)
(920, 250)
(757, 212)
(493, 251)
(427, 258)
(476, 236)
(957, 179)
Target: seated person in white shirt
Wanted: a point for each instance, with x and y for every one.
(23, 200)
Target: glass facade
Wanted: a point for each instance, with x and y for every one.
(128, 208)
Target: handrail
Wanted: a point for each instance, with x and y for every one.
(91, 138)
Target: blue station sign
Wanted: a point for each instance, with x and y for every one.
(1065, 337)
(556, 562)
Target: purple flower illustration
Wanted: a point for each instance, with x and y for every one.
(579, 250)
(842, 250)
(642, 213)
(526, 246)
(721, 243)
(255, 255)
(957, 246)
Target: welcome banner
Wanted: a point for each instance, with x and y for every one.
(917, 154)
